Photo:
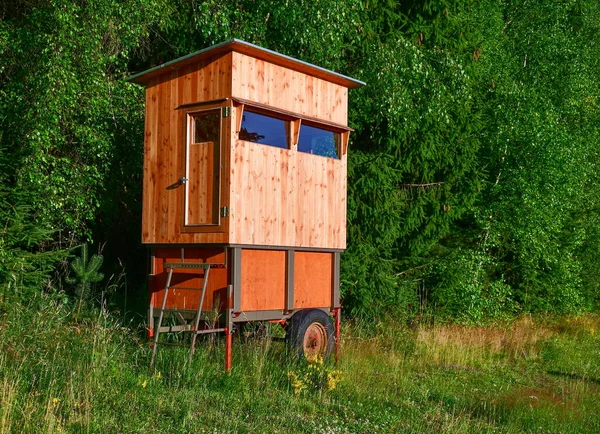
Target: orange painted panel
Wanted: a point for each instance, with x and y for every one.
(313, 279)
(263, 280)
(186, 284)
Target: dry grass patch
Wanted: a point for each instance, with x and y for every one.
(459, 344)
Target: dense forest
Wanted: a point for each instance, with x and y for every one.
(473, 169)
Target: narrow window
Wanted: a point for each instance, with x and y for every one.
(267, 130)
(318, 141)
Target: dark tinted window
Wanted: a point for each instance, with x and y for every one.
(207, 126)
(263, 129)
(318, 141)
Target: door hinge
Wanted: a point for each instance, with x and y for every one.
(224, 211)
(226, 111)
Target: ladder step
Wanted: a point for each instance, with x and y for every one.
(194, 329)
(203, 265)
(188, 328)
(203, 332)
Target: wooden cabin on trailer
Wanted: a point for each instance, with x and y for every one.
(244, 198)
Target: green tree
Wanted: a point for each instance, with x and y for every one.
(86, 272)
(65, 111)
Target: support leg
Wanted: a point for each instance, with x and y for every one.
(228, 327)
(199, 313)
(150, 321)
(160, 316)
(228, 341)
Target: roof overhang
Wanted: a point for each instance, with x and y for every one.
(251, 50)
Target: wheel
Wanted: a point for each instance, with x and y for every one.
(310, 334)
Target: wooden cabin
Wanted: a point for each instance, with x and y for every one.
(245, 158)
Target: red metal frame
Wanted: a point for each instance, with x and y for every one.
(228, 341)
(229, 304)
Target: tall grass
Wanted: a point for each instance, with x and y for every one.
(62, 374)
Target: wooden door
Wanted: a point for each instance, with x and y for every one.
(202, 169)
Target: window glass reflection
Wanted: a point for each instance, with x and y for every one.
(314, 140)
(267, 130)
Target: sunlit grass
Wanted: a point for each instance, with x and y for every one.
(58, 374)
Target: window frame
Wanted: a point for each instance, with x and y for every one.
(294, 126)
(187, 112)
(337, 138)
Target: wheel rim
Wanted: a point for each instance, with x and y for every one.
(315, 341)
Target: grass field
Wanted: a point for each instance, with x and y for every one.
(530, 376)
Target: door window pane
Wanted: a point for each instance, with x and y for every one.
(207, 127)
(314, 140)
(267, 130)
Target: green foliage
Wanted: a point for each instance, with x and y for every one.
(467, 294)
(64, 108)
(473, 186)
(27, 257)
(412, 169)
(25, 264)
(86, 272)
(480, 124)
(320, 32)
(541, 151)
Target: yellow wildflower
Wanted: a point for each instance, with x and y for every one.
(297, 383)
(333, 378)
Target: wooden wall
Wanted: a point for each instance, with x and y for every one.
(262, 284)
(277, 197)
(266, 83)
(164, 147)
(263, 280)
(282, 197)
(186, 283)
(313, 279)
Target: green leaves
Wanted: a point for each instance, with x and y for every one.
(27, 255)
(65, 109)
(475, 157)
(541, 154)
(473, 169)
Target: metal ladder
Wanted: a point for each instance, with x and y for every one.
(196, 321)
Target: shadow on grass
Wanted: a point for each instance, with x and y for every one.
(575, 376)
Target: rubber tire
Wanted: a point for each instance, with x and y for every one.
(303, 321)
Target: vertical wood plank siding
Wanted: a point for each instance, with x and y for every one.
(286, 89)
(276, 197)
(165, 135)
